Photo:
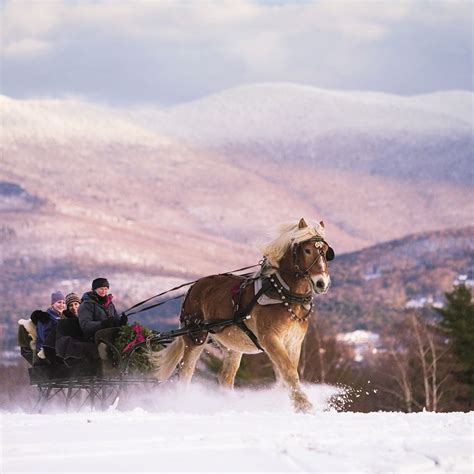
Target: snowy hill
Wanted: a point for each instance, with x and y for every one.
(427, 137)
(207, 431)
(66, 120)
(290, 112)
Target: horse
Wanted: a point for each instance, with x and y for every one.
(294, 268)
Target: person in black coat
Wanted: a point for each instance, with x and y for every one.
(97, 311)
(98, 317)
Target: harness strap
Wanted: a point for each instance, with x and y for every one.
(240, 314)
(284, 294)
(250, 334)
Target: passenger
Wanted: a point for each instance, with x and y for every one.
(46, 325)
(72, 305)
(99, 319)
(97, 311)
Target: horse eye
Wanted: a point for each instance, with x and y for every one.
(307, 250)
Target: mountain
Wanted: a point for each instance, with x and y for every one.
(152, 198)
(427, 137)
(373, 286)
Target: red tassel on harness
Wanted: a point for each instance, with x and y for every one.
(235, 292)
(139, 337)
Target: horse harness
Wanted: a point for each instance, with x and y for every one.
(271, 284)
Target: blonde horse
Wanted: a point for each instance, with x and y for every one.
(295, 267)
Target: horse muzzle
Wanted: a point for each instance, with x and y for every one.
(321, 284)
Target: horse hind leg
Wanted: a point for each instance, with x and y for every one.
(230, 366)
(191, 355)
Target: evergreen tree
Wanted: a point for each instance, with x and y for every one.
(458, 321)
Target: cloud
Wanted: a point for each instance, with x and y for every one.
(26, 47)
(168, 51)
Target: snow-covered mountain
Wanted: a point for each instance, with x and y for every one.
(428, 136)
(290, 112)
(188, 190)
(64, 120)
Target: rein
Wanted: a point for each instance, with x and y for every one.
(126, 312)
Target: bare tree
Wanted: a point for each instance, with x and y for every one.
(418, 364)
(323, 358)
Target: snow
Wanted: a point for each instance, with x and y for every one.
(296, 112)
(361, 342)
(63, 120)
(206, 430)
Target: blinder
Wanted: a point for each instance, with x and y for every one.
(330, 255)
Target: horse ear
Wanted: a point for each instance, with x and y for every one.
(322, 224)
(302, 224)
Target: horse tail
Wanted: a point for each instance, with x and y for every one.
(166, 360)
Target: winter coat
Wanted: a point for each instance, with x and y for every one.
(92, 313)
(46, 329)
(68, 314)
(70, 343)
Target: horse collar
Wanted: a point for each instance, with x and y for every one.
(287, 297)
(285, 294)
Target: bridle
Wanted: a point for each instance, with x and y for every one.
(328, 256)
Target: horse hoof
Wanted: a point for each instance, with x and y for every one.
(304, 408)
(302, 404)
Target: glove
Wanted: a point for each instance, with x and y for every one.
(123, 319)
(108, 323)
(38, 315)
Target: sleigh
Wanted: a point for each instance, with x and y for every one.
(85, 380)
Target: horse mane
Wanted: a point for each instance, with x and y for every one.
(289, 235)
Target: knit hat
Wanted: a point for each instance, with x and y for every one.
(72, 298)
(56, 296)
(99, 283)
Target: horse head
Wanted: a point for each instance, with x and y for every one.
(304, 255)
(310, 260)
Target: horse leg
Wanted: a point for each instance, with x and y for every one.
(288, 370)
(230, 366)
(294, 353)
(189, 361)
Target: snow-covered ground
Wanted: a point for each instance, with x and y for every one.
(204, 430)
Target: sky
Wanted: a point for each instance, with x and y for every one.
(164, 52)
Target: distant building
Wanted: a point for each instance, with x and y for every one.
(465, 279)
(423, 301)
(362, 343)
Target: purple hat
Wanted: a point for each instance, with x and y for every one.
(56, 296)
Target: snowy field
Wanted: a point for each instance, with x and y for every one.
(205, 430)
